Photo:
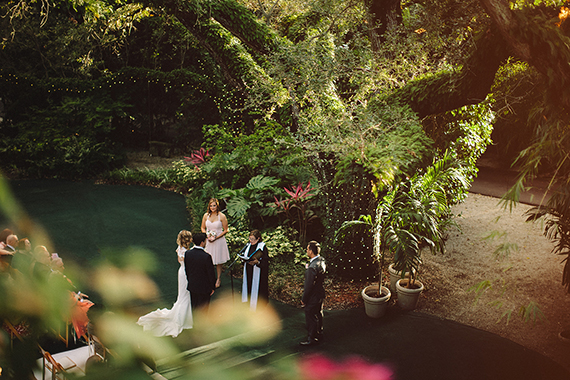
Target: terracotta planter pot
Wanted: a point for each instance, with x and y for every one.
(375, 307)
(394, 277)
(408, 298)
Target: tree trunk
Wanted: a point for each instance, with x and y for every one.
(449, 91)
(382, 15)
(536, 38)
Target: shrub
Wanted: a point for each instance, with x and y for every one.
(58, 157)
(282, 245)
(280, 242)
(248, 170)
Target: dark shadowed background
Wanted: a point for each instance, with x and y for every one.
(84, 218)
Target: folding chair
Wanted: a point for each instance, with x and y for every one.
(57, 370)
(65, 336)
(13, 332)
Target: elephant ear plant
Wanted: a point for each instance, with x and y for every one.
(414, 214)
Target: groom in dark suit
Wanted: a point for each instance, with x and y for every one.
(314, 294)
(200, 272)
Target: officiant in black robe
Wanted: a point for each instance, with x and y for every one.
(255, 289)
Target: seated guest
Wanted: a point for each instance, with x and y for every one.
(57, 269)
(24, 245)
(5, 264)
(3, 235)
(56, 263)
(11, 243)
(23, 257)
(7, 253)
(42, 258)
(80, 304)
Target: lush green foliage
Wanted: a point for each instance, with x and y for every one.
(292, 92)
(416, 212)
(556, 217)
(413, 214)
(517, 88)
(311, 104)
(180, 176)
(388, 141)
(63, 134)
(283, 247)
(248, 170)
(372, 147)
(117, 108)
(241, 200)
(464, 133)
(296, 209)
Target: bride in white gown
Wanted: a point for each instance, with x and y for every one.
(162, 322)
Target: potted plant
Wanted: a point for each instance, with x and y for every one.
(412, 215)
(395, 276)
(376, 297)
(417, 213)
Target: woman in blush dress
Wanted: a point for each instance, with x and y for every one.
(162, 322)
(215, 226)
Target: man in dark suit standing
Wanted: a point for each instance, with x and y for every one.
(314, 294)
(200, 272)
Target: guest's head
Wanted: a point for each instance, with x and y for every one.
(12, 241)
(184, 239)
(199, 238)
(24, 244)
(4, 234)
(255, 237)
(313, 249)
(213, 206)
(41, 254)
(57, 264)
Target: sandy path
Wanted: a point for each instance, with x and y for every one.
(530, 273)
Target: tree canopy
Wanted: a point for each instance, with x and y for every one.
(369, 89)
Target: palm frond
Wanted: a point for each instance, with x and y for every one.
(363, 224)
(556, 216)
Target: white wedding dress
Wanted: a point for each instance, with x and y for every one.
(162, 322)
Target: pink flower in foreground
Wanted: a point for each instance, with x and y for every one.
(319, 367)
(357, 368)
